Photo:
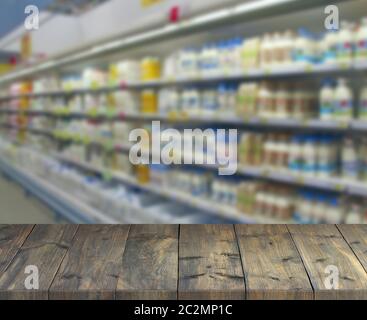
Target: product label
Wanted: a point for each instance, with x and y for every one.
(309, 167)
(302, 56)
(351, 168)
(326, 108)
(363, 109)
(362, 49)
(344, 107)
(345, 50)
(327, 168)
(295, 164)
(330, 53)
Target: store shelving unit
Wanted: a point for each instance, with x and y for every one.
(61, 202)
(176, 118)
(198, 203)
(248, 11)
(302, 71)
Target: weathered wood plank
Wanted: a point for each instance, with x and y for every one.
(323, 249)
(150, 263)
(44, 248)
(272, 265)
(91, 266)
(209, 263)
(356, 236)
(11, 239)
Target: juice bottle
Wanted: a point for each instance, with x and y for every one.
(149, 103)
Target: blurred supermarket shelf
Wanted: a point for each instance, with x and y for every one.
(196, 202)
(310, 124)
(60, 201)
(335, 184)
(247, 11)
(249, 75)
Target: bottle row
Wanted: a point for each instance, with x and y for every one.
(251, 197)
(314, 155)
(269, 100)
(320, 156)
(278, 50)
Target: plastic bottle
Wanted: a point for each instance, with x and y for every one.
(230, 110)
(150, 68)
(251, 53)
(335, 213)
(319, 209)
(308, 207)
(188, 63)
(345, 43)
(191, 101)
(266, 51)
(295, 154)
(361, 40)
(222, 97)
(277, 50)
(330, 47)
(213, 60)
(287, 47)
(326, 101)
(350, 160)
(309, 156)
(299, 104)
(303, 48)
(363, 157)
(354, 215)
(149, 103)
(209, 102)
(326, 157)
(283, 103)
(362, 111)
(343, 101)
(265, 100)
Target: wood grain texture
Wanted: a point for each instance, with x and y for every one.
(356, 236)
(11, 239)
(322, 246)
(209, 263)
(150, 263)
(91, 266)
(45, 248)
(273, 267)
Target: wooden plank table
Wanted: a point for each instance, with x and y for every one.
(184, 261)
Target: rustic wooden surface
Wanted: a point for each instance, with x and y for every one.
(183, 262)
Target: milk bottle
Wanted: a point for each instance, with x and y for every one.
(361, 40)
(345, 43)
(330, 47)
(362, 112)
(326, 101)
(350, 160)
(343, 101)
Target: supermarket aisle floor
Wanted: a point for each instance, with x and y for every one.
(16, 207)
